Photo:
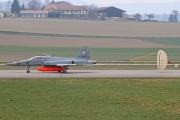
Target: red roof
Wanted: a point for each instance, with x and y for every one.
(63, 6)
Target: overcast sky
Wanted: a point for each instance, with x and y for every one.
(131, 6)
(126, 1)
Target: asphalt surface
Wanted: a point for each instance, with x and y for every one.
(92, 74)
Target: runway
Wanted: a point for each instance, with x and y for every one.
(92, 74)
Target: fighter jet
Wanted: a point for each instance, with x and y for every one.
(59, 64)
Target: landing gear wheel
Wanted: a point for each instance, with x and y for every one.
(28, 71)
(59, 71)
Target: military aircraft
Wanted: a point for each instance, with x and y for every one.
(51, 63)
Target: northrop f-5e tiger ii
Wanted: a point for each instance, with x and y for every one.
(59, 64)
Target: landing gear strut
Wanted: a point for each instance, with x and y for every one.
(64, 69)
(28, 70)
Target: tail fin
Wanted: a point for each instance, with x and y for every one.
(83, 53)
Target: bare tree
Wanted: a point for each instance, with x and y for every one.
(91, 7)
(103, 16)
(92, 14)
(1, 6)
(25, 2)
(138, 16)
(23, 7)
(34, 5)
(175, 12)
(47, 1)
(150, 16)
(175, 15)
(8, 7)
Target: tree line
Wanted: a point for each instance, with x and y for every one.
(31, 5)
(172, 18)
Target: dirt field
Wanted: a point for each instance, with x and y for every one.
(95, 28)
(25, 40)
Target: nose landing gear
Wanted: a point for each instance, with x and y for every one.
(28, 70)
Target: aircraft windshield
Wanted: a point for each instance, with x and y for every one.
(33, 58)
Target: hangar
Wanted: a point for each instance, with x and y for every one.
(110, 11)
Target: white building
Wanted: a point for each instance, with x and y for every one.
(1, 14)
(66, 9)
(34, 13)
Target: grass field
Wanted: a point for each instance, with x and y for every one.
(101, 54)
(147, 99)
(168, 41)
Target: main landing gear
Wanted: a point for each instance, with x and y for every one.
(28, 70)
(64, 69)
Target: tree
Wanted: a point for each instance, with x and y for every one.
(8, 6)
(171, 18)
(34, 5)
(138, 16)
(175, 14)
(15, 7)
(103, 16)
(92, 14)
(23, 7)
(150, 16)
(1, 6)
(91, 7)
(47, 1)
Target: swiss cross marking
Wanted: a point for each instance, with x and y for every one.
(83, 52)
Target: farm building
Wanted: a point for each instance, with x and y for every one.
(67, 10)
(34, 13)
(1, 14)
(110, 12)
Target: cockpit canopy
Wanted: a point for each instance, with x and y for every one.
(40, 57)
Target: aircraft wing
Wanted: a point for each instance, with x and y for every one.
(66, 65)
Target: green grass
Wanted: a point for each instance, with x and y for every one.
(101, 54)
(45, 99)
(167, 41)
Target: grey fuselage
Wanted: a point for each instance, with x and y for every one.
(52, 61)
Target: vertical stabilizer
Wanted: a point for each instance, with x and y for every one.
(83, 53)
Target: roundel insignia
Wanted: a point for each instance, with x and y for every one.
(83, 52)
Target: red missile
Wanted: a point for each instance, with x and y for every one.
(50, 69)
